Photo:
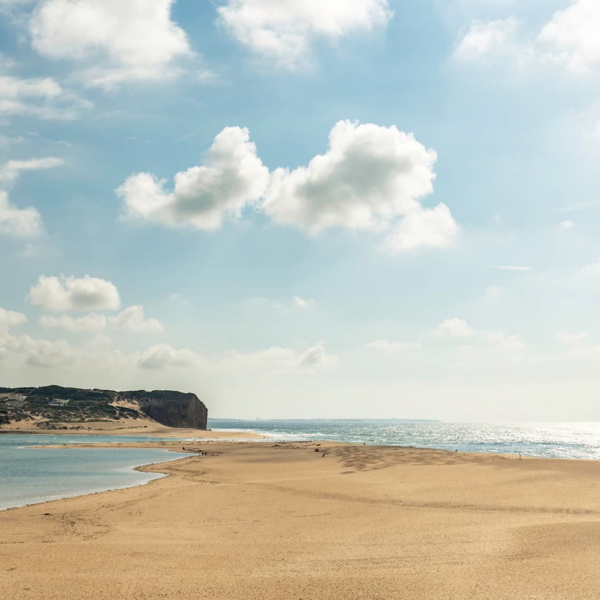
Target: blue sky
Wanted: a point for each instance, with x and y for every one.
(341, 208)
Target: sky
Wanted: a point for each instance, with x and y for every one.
(305, 208)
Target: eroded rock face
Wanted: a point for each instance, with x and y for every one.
(174, 409)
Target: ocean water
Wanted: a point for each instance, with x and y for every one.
(542, 440)
(29, 475)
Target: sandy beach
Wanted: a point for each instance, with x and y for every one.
(317, 521)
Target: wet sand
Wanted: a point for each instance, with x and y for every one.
(273, 521)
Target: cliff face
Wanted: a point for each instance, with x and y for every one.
(174, 409)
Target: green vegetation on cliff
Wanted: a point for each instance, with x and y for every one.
(43, 406)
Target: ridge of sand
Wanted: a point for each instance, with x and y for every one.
(324, 521)
(129, 427)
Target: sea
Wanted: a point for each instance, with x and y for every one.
(540, 440)
(30, 475)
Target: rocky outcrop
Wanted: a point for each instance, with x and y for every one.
(174, 409)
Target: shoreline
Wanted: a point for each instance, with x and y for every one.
(317, 519)
(158, 431)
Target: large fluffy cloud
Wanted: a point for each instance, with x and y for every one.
(126, 39)
(370, 178)
(284, 31)
(70, 293)
(18, 222)
(231, 178)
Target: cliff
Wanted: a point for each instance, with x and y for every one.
(46, 406)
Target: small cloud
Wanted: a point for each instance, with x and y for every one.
(486, 39)
(493, 292)
(572, 338)
(91, 323)
(132, 320)
(10, 319)
(284, 33)
(593, 269)
(455, 328)
(10, 171)
(62, 293)
(519, 268)
(302, 302)
(503, 341)
(316, 357)
(162, 356)
(566, 225)
(387, 347)
(18, 222)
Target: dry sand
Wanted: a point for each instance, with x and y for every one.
(281, 521)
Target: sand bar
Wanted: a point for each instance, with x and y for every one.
(127, 427)
(275, 521)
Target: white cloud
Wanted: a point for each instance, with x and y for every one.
(70, 293)
(506, 342)
(163, 356)
(571, 38)
(487, 38)
(369, 177)
(126, 40)
(284, 32)
(18, 222)
(277, 360)
(421, 228)
(455, 328)
(231, 178)
(42, 353)
(566, 225)
(10, 319)
(519, 268)
(132, 320)
(572, 338)
(11, 170)
(388, 347)
(592, 269)
(303, 302)
(316, 357)
(40, 98)
(91, 323)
